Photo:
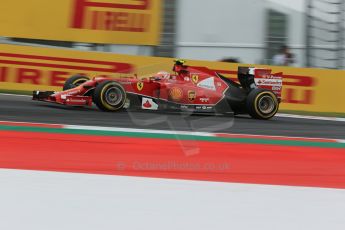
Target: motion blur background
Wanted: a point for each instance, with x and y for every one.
(249, 31)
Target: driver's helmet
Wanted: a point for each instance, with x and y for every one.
(162, 75)
(179, 65)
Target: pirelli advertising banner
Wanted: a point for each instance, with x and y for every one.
(91, 21)
(30, 68)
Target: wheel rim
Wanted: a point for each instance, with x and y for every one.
(113, 96)
(266, 104)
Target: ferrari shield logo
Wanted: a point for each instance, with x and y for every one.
(195, 78)
(140, 85)
(191, 95)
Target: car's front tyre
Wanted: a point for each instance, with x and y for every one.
(109, 96)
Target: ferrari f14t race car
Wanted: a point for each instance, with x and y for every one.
(188, 89)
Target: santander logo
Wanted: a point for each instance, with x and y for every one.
(147, 104)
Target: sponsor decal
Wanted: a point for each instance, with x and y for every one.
(276, 88)
(140, 85)
(50, 70)
(109, 16)
(176, 94)
(273, 82)
(299, 89)
(74, 100)
(134, 22)
(191, 95)
(204, 107)
(195, 78)
(204, 100)
(69, 93)
(207, 84)
(272, 77)
(148, 104)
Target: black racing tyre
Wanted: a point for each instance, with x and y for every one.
(109, 96)
(262, 104)
(74, 81)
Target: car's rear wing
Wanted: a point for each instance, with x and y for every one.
(251, 78)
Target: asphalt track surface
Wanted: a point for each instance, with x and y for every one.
(23, 109)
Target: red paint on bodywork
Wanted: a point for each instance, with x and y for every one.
(209, 93)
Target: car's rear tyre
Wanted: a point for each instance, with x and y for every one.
(262, 104)
(109, 96)
(74, 81)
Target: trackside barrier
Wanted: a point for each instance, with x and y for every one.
(30, 68)
(91, 21)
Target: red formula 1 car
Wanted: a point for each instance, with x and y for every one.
(190, 89)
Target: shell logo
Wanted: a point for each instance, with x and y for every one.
(176, 94)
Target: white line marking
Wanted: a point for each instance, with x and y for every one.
(285, 137)
(115, 129)
(30, 123)
(311, 117)
(14, 95)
